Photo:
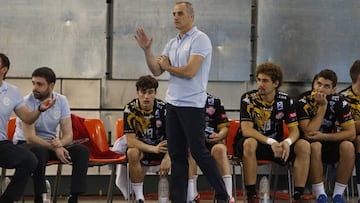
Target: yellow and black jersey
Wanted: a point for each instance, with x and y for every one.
(268, 117)
(149, 126)
(216, 117)
(353, 101)
(338, 111)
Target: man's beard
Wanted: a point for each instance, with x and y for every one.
(41, 96)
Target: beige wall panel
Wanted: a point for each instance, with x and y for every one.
(228, 92)
(67, 35)
(82, 93)
(117, 93)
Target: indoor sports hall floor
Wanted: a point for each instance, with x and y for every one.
(119, 199)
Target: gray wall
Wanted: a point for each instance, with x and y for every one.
(305, 36)
(63, 34)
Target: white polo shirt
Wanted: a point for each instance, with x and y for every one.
(186, 92)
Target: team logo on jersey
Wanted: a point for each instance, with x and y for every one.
(262, 118)
(56, 114)
(157, 113)
(210, 110)
(6, 101)
(280, 105)
(211, 101)
(186, 47)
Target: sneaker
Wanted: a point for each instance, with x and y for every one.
(253, 199)
(322, 199)
(338, 199)
(196, 199)
(140, 201)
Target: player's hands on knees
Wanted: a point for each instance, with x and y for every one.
(277, 149)
(285, 150)
(316, 136)
(214, 138)
(165, 166)
(63, 155)
(161, 147)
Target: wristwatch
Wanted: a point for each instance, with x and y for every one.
(40, 109)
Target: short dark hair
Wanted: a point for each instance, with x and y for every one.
(271, 69)
(355, 70)
(314, 80)
(5, 62)
(45, 72)
(146, 82)
(329, 75)
(189, 6)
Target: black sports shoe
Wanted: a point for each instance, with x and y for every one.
(72, 199)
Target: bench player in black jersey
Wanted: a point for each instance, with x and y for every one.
(263, 112)
(319, 112)
(144, 127)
